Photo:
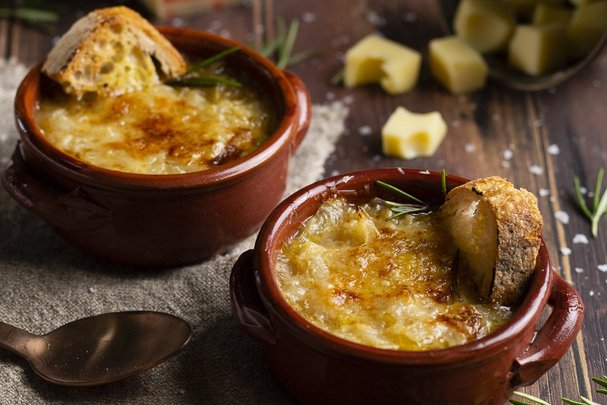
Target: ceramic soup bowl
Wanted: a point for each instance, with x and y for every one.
(160, 220)
(317, 367)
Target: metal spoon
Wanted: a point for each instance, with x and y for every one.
(502, 72)
(99, 349)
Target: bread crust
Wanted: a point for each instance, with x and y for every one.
(519, 228)
(77, 52)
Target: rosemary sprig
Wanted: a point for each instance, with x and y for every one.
(599, 203)
(601, 381)
(418, 206)
(399, 209)
(38, 18)
(193, 77)
(209, 61)
(281, 47)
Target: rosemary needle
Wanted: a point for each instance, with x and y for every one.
(191, 79)
(599, 202)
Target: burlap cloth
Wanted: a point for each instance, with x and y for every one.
(45, 282)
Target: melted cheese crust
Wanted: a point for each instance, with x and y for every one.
(159, 130)
(383, 283)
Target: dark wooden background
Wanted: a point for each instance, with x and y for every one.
(496, 131)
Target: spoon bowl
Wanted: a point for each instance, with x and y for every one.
(100, 349)
(500, 71)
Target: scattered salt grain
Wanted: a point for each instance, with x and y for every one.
(554, 149)
(375, 19)
(507, 154)
(402, 171)
(562, 217)
(565, 251)
(365, 130)
(505, 164)
(470, 147)
(578, 270)
(92, 290)
(349, 99)
(579, 238)
(410, 16)
(602, 268)
(591, 293)
(177, 22)
(535, 169)
(544, 192)
(583, 190)
(308, 17)
(424, 172)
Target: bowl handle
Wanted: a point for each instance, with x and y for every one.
(554, 338)
(305, 110)
(247, 307)
(71, 210)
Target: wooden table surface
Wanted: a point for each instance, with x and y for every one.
(537, 140)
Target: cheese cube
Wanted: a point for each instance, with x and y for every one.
(457, 65)
(408, 135)
(547, 14)
(375, 59)
(485, 24)
(579, 3)
(525, 8)
(538, 49)
(588, 24)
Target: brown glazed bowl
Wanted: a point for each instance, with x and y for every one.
(319, 368)
(160, 220)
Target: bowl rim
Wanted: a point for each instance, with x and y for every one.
(488, 346)
(283, 136)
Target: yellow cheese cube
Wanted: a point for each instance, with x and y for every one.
(408, 135)
(457, 65)
(547, 14)
(588, 24)
(375, 59)
(538, 49)
(525, 8)
(485, 24)
(579, 3)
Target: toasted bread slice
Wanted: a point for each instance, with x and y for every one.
(497, 229)
(111, 51)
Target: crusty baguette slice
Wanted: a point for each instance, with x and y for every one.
(497, 229)
(111, 51)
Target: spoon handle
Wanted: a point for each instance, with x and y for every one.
(15, 339)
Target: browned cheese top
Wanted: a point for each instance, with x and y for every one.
(382, 283)
(161, 129)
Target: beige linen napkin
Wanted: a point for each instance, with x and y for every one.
(45, 282)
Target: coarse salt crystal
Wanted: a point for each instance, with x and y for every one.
(591, 293)
(544, 192)
(308, 17)
(579, 238)
(554, 149)
(424, 172)
(470, 147)
(562, 217)
(565, 251)
(410, 17)
(535, 169)
(602, 267)
(578, 270)
(505, 164)
(92, 290)
(507, 154)
(365, 130)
